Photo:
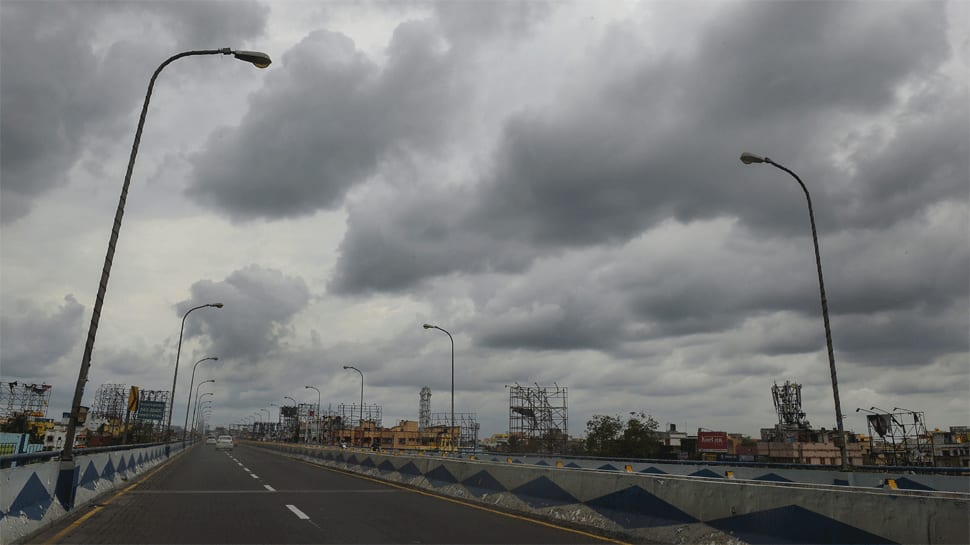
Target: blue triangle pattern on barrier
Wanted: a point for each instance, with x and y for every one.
(634, 507)
(440, 476)
(90, 477)
(909, 484)
(368, 463)
(141, 458)
(542, 492)
(653, 470)
(409, 469)
(352, 459)
(706, 473)
(109, 470)
(608, 467)
(542, 463)
(386, 465)
(122, 465)
(33, 499)
(574, 465)
(792, 525)
(483, 483)
(772, 477)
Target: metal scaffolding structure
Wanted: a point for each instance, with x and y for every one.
(539, 416)
(902, 438)
(466, 426)
(350, 415)
(21, 398)
(788, 405)
(110, 403)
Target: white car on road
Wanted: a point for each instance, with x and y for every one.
(224, 442)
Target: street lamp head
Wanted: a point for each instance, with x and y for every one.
(346, 367)
(748, 158)
(428, 326)
(216, 305)
(257, 58)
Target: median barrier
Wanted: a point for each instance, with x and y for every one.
(673, 508)
(29, 501)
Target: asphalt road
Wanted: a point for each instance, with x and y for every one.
(253, 496)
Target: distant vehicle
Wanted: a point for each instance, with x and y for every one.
(224, 442)
(210, 440)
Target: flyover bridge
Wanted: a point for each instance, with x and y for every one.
(251, 495)
(284, 493)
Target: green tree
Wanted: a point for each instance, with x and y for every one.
(602, 433)
(640, 438)
(609, 436)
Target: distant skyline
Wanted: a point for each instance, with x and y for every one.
(555, 183)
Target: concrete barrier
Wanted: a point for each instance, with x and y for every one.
(672, 508)
(28, 499)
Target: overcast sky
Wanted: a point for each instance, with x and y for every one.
(557, 184)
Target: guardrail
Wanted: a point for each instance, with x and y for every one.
(668, 508)
(14, 460)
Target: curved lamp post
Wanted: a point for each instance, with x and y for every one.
(749, 158)
(360, 423)
(318, 412)
(199, 404)
(429, 326)
(188, 399)
(65, 489)
(196, 404)
(178, 353)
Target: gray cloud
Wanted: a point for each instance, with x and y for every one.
(632, 148)
(326, 119)
(34, 340)
(255, 322)
(59, 92)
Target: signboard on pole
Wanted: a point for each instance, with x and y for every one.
(133, 399)
(712, 441)
(151, 410)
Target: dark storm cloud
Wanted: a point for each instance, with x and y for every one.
(648, 139)
(325, 120)
(469, 23)
(58, 92)
(259, 305)
(33, 340)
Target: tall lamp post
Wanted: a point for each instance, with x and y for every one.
(67, 476)
(429, 326)
(196, 404)
(360, 423)
(320, 441)
(188, 399)
(178, 353)
(749, 158)
(200, 402)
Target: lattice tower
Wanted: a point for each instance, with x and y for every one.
(21, 398)
(424, 409)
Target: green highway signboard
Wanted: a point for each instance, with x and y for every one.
(151, 410)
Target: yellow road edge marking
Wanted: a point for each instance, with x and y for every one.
(80, 520)
(467, 504)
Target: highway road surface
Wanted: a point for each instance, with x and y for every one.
(248, 495)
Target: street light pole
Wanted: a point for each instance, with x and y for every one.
(199, 402)
(749, 158)
(65, 486)
(196, 404)
(429, 326)
(188, 399)
(318, 412)
(178, 353)
(360, 422)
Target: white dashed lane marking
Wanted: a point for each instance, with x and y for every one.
(268, 487)
(299, 514)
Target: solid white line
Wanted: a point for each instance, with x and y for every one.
(268, 487)
(299, 514)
